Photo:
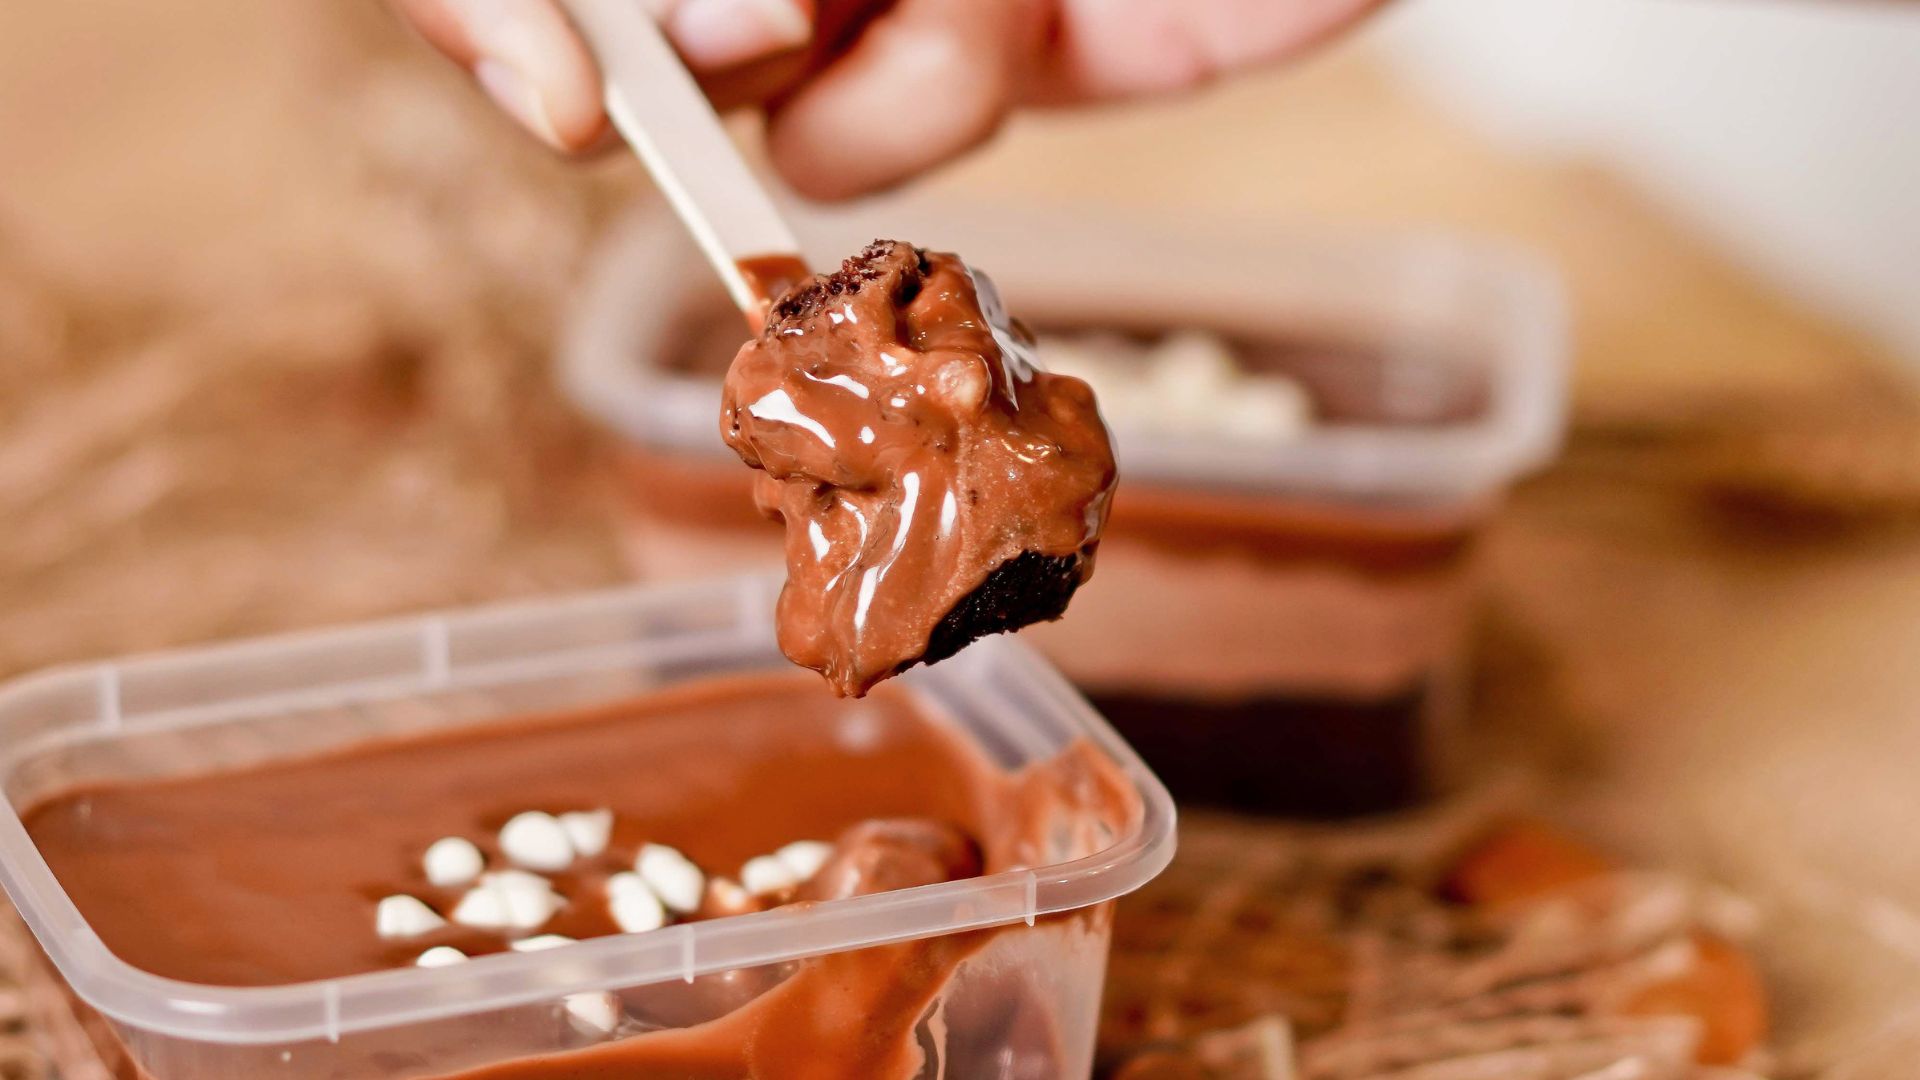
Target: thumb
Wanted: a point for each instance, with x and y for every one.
(526, 56)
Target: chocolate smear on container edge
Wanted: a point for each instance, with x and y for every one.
(936, 485)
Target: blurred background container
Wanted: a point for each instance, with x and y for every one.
(1281, 617)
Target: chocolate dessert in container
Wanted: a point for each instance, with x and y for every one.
(616, 835)
(1311, 431)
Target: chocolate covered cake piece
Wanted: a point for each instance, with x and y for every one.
(935, 484)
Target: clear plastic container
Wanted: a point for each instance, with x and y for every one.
(1280, 627)
(245, 704)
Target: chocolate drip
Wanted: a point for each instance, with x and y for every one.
(936, 485)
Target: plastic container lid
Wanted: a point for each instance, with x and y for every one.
(335, 687)
(1410, 297)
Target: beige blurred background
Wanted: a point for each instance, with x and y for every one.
(277, 295)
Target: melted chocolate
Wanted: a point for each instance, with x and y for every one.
(314, 843)
(919, 460)
(270, 875)
(770, 277)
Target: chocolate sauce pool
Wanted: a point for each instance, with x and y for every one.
(936, 486)
(270, 875)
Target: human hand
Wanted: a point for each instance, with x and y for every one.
(863, 94)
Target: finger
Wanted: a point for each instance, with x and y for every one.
(713, 35)
(1130, 48)
(834, 25)
(526, 56)
(923, 83)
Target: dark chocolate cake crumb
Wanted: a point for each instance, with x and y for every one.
(905, 264)
(1026, 589)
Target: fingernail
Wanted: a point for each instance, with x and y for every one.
(514, 93)
(721, 33)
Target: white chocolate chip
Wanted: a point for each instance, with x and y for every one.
(1098, 359)
(634, 906)
(805, 857)
(452, 860)
(404, 917)
(440, 956)
(764, 875)
(508, 900)
(540, 943)
(588, 831)
(1192, 362)
(482, 908)
(672, 876)
(1266, 410)
(596, 1012)
(531, 900)
(1189, 382)
(728, 898)
(536, 841)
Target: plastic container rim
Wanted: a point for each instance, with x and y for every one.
(328, 1009)
(601, 353)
